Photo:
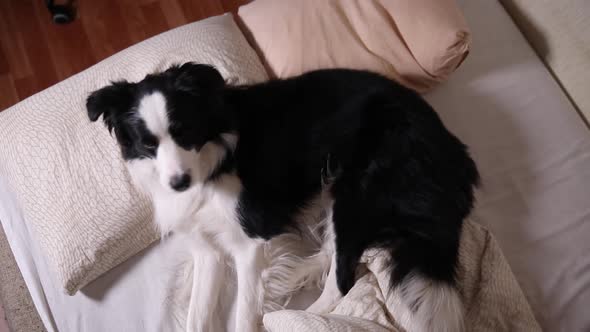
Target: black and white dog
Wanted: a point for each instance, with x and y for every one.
(238, 165)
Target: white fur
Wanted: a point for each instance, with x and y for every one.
(217, 220)
(326, 258)
(152, 109)
(284, 256)
(306, 259)
(206, 285)
(171, 160)
(294, 259)
(301, 259)
(421, 305)
(174, 210)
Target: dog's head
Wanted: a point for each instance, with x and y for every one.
(164, 120)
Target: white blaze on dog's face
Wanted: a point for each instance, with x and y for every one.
(173, 163)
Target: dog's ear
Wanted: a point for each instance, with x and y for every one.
(197, 78)
(109, 101)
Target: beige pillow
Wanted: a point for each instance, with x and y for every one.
(67, 173)
(418, 42)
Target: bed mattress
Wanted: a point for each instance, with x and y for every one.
(533, 151)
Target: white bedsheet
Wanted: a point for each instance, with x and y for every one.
(128, 298)
(533, 152)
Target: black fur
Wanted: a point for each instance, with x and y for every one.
(405, 183)
(399, 179)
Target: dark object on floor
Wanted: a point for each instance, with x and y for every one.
(61, 14)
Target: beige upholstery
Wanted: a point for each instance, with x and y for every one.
(560, 33)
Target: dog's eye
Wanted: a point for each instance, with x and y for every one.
(150, 144)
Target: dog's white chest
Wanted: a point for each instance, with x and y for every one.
(217, 218)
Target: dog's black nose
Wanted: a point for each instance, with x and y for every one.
(180, 182)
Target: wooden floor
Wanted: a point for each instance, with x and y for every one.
(35, 53)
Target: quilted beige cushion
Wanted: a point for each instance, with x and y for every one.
(418, 43)
(71, 182)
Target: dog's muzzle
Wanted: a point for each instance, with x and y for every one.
(180, 182)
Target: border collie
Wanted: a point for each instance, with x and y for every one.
(238, 165)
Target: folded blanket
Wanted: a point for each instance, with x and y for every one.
(492, 298)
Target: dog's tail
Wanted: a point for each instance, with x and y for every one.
(423, 280)
(422, 304)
